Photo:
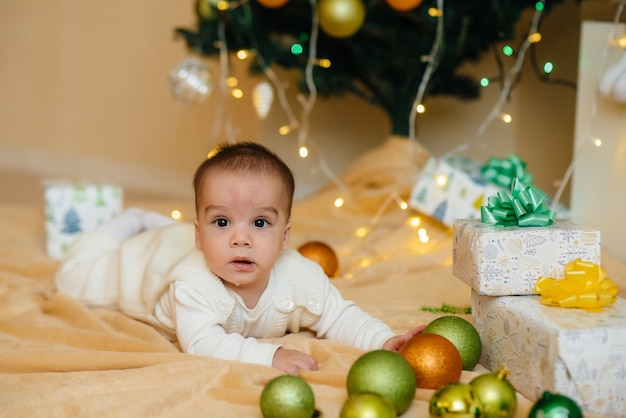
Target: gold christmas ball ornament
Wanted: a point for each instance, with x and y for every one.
(496, 394)
(434, 359)
(341, 18)
(462, 334)
(323, 254)
(272, 4)
(367, 405)
(287, 396)
(386, 374)
(455, 400)
(403, 5)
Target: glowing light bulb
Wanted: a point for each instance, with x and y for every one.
(232, 81)
(361, 232)
(212, 153)
(507, 50)
(242, 54)
(303, 152)
(506, 118)
(548, 67)
(434, 12)
(222, 5)
(296, 49)
(441, 180)
(423, 235)
(484, 82)
(420, 108)
(365, 262)
(414, 221)
(176, 214)
(284, 130)
(403, 205)
(324, 63)
(622, 42)
(539, 6)
(534, 37)
(236, 93)
(597, 142)
(339, 202)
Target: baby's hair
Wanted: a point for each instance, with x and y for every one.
(245, 157)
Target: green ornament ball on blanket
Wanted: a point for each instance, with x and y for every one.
(287, 396)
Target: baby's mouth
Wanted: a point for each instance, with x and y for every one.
(243, 264)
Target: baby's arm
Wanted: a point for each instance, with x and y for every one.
(200, 331)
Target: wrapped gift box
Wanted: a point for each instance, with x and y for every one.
(75, 207)
(499, 261)
(570, 351)
(451, 188)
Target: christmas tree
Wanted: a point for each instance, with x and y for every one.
(379, 50)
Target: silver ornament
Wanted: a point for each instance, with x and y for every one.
(191, 80)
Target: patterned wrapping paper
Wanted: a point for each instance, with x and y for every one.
(451, 188)
(570, 351)
(73, 207)
(501, 261)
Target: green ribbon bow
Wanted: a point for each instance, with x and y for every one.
(525, 207)
(502, 171)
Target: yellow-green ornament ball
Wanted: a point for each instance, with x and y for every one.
(462, 334)
(455, 400)
(341, 18)
(367, 405)
(386, 374)
(287, 396)
(496, 394)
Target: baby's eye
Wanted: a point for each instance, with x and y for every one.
(221, 222)
(261, 223)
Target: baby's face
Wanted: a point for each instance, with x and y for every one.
(242, 226)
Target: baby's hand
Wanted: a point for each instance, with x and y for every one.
(396, 343)
(292, 361)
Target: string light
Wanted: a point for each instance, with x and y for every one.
(176, 214)
(506, 118)
(303, 152)
(361, 232)
(434, 12)
(534, 37)
(423, 235)
(242, 54)
(597, 142)
(441, 180)
(548, 67)
(484, 82)
(339, 202)
(232, 81)
(420, 108)
(324, 63)
(284, 130)
(237, 93)
(507, 50)
(414, 221)
(296, 49)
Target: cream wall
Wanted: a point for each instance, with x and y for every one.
(84, 93)
(599, 183)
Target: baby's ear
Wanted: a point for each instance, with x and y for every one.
(197, 233)
(286, 236)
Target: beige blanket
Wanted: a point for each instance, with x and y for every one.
(58, 358)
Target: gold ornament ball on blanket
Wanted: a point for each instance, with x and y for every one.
(323, 254)
(496, 394)
(361, 405)
(462, 334)
(435, 360)
(455, 400)
(386, 374)
(287, 396)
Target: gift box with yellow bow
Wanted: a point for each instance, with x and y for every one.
(580, 353)
(502, 261)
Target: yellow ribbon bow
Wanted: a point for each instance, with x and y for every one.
(585, 286)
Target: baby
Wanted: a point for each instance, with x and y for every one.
(238, 284)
